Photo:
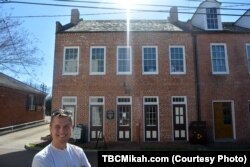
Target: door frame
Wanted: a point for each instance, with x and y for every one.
(184, 102)
(103, 115)
(117, 114)
(233, 119)
(158, 117)
(71, 104)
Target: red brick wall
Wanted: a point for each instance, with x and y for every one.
(234, 86)
(14, 108)
(111, 85)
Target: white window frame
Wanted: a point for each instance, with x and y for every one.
(78, 55)
(226, 58)
(217, 19)
(69, 103)
(117, 61)
(184, 60)
(248, 57)
(104, 60)
(156, 60)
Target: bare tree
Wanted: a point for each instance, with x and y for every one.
(18, 54)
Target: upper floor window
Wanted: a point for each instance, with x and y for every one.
(212, 18)
(150, 60)
(219, 59)
(71, 60)
(124, 64)
(177, 60)
(248, 57)
(97, 60)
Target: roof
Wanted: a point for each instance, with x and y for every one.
(7, 81)
(121, 25)
(230, 27)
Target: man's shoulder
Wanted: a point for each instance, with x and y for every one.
(72, 146)
(44, 152)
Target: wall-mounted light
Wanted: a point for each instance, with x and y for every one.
(110, 114)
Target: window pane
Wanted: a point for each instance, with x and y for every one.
(212, 20)
(151, 115)
(124, 60)
(219, 58)
(97, 60)
(96, 115)
(149, 58)
(177, 59)
(71, 60)
(248, 57)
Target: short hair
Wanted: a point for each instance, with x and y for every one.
(60, 113)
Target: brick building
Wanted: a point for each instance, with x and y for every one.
(19, 103)
(151, 82)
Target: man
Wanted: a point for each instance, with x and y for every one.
(60, 153)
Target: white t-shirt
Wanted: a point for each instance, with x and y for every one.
(71, 156)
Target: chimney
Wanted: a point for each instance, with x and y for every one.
(75, 16)
(58, 26)
(173, 13)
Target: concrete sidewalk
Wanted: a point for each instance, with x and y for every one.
(11, 130)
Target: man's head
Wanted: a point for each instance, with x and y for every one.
(60, 128)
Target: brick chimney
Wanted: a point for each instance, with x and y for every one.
(58, 26)
(75, 16)
(173, 14)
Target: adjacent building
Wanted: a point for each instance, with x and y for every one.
(20, 103)
(151, 82)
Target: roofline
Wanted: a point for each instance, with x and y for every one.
(71, 32)
(35, 90)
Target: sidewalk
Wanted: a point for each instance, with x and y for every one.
(15, 129)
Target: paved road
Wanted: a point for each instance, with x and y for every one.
(13, 153)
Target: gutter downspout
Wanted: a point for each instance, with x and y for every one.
(197, 79)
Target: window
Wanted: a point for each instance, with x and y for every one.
(249, 106)
(219, 59)
(124, 64)
(31, 102)
(248, 57)
(96, 108)
(150, 60)
(70, 64)
(177, 60)
(124, 110)
(212, 19)
(151, 111)
(97, 59)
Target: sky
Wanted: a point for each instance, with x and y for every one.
(39, 20)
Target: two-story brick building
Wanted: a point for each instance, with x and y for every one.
(151, 82)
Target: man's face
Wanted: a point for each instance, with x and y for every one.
(60, 130)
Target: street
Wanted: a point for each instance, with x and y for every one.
(13, 153)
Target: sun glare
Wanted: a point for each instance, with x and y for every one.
(127, 4)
